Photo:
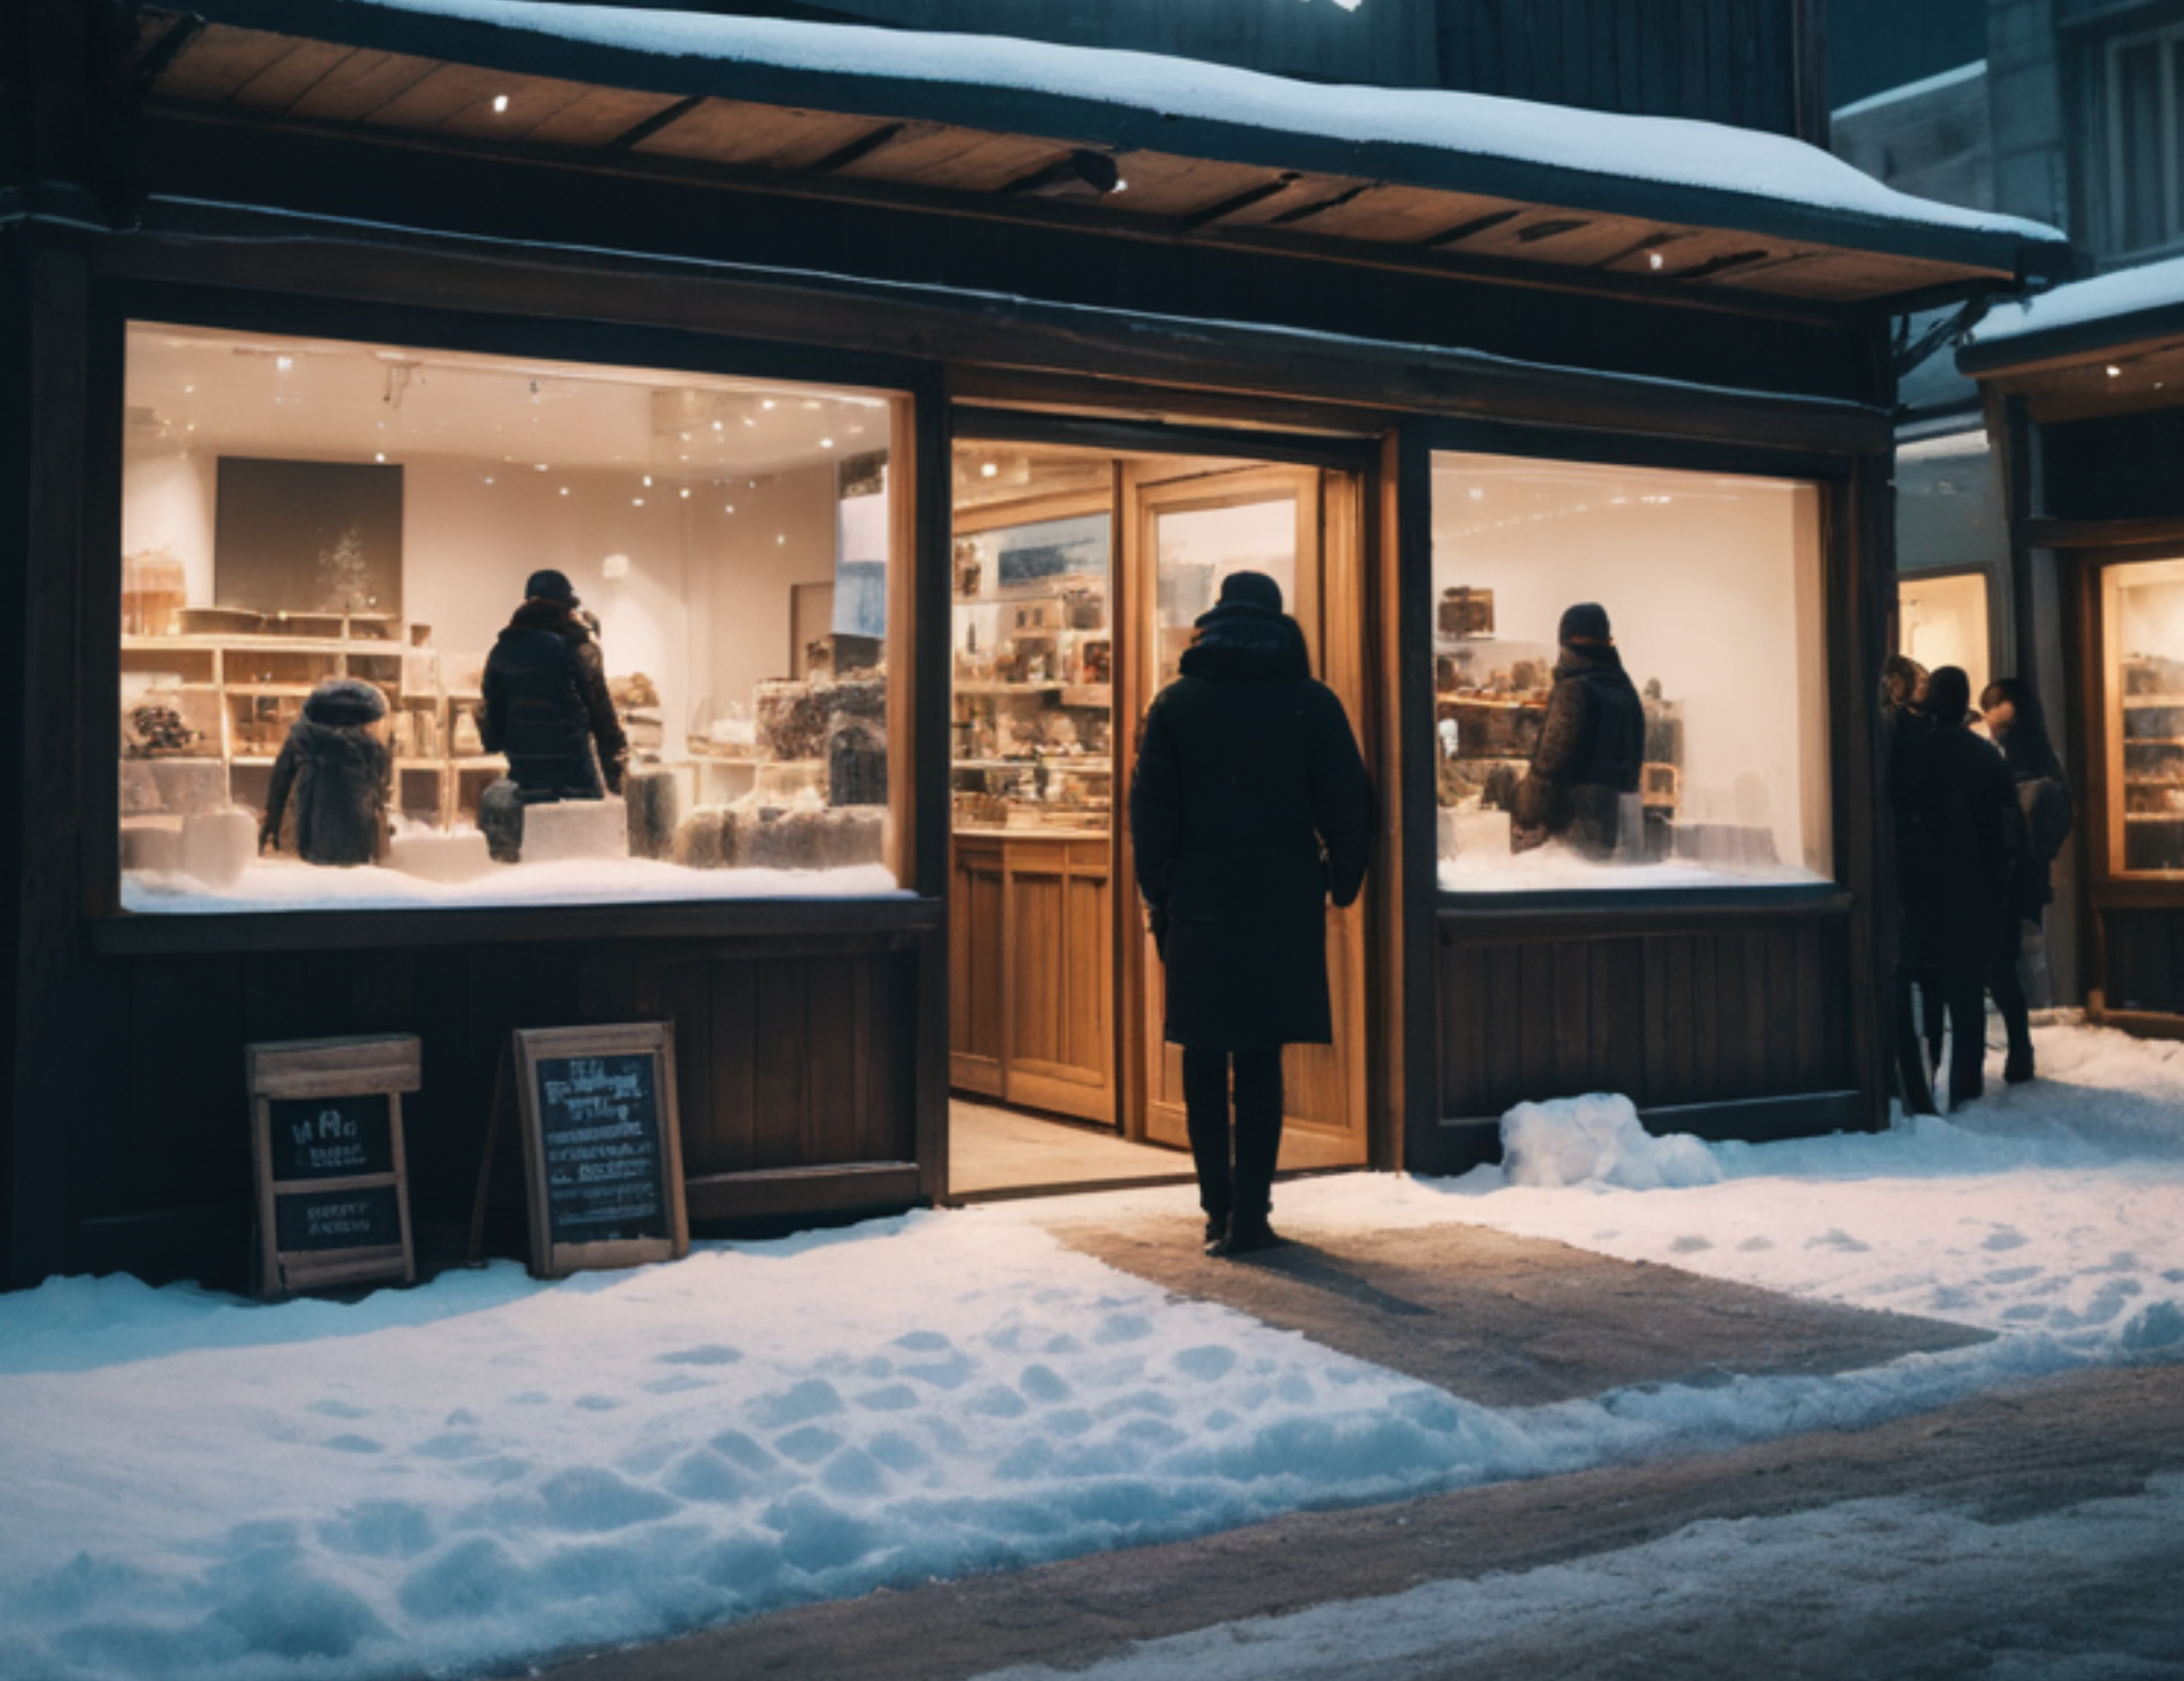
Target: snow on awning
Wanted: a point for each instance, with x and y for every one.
(2110, 345)
(1136, 142)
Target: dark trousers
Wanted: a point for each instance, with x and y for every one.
(1911, 1055)
(1243, 1192)
(1960, 994)
(2008, 989)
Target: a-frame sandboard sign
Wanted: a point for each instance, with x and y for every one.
(333, 1189)
(602, 1146)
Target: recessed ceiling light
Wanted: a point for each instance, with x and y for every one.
(284, 363)
(2115, 372)
(500, 101)
(989, 471)
(826, 443)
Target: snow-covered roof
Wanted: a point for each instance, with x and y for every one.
(1679, 171)
(2114, 309)
(1913, 89)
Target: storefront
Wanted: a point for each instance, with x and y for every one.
(2082, 392)
(893, 406)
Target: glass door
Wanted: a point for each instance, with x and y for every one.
(1185, 530)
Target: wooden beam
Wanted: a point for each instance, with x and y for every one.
(310, 257)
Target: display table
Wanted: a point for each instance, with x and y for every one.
(1031, 969)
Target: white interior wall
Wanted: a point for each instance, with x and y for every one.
(1712, 586)
(703, 608)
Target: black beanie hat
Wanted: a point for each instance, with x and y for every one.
(1251, 589)
(1587, 621)
(550, 586)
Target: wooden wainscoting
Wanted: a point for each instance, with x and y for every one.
(1738, 1020)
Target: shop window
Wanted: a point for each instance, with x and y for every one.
(1942, 622)
(2143, 610)
(1712, 588)
(325, 542)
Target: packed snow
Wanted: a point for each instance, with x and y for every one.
(1673, 150)
(487, 1469)
(2106, 298)
(1556, 868)
(287, 884)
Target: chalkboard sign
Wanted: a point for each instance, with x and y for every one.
(602, 1146)
(333, 1198)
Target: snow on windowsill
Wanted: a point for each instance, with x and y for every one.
(1674, 151)
(272, 885)
(1555, 869)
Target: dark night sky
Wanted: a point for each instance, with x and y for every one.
(1873, 44)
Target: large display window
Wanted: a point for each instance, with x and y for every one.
(1630, 678)
(2143, 612)
(407, 627)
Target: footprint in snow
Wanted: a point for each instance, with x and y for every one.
(379, 1529)
(706, 1353)
(921, 1342)
(808, 1445)
(1122, 1328)
(799, 1404)
(1206, 1362)
(348, 1444)
(2004, 1239)
(1753, 1245)
(1690, 1246)
(2013, 1275)
(1837, 1238)
(338, 1409)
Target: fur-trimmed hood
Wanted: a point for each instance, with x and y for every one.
(344, 704)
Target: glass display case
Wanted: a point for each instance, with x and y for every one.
(2145, 705)
(1033, 645)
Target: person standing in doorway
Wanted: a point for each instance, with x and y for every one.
(1249, 809)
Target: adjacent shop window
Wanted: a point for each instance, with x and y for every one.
(393, 622)
(2144, 610)
(1942, 622)
(1710, 769)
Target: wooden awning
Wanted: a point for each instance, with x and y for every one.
(2113, 345)
(507, 80)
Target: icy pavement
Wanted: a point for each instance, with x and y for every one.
(488, 1470)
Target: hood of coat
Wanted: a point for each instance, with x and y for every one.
(550, 615)
(345, 704)
(343, 745)
(1243, 644)
(1589, 661)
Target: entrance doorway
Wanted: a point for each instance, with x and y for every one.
(1078, 574)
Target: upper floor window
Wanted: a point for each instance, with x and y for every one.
(2143, 84)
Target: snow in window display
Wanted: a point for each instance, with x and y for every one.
(684, 511)
(1709, 590)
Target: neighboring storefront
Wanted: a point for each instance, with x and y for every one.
(893, 406)
(2086, 392)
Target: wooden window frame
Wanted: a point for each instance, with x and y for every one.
(915, 391)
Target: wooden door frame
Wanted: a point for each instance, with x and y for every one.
(1367, 460)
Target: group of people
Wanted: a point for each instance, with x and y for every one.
(545, 707)
(1978, 824)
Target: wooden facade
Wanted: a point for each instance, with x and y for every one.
(284, 168)
(2091, 440)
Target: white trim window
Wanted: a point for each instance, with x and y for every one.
(2144, 80)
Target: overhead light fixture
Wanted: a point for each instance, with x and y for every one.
(500, 101)
(2115, 372)
(1080, 173)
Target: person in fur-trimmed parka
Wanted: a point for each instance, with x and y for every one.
(1249, 811)
(327, 802)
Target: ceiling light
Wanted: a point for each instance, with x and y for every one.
(826, 443)
(2115, 372)
(648, 481)
(636, 501)
(767, 403)
(500, 101)
(686, 492)
(989, 471)
(380, 456)
(1076, 174)
(284, 363)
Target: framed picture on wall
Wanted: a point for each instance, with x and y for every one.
(309, 536)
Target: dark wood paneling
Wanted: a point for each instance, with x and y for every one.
(1668, 1016)
(785, 1060)
(2142, 960)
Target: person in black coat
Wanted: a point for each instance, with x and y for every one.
(327, 800)
(2018, 725)
(1592, 744)
(1958, 834)
(547, 708)
(1249, 809)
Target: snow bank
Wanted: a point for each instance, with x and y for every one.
(1556, 868)
(1597, 1140)
(1672, 150)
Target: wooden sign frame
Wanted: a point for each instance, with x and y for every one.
(533, 1048)
(377, 1066)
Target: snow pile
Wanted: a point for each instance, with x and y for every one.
(1557, 868)
(1677, 151)
(1597, 1140)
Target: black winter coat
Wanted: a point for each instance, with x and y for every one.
(1958, 837)
(2043, 794)
(546, 704)
(1591, 753)
(1249, 809)
(327, 800)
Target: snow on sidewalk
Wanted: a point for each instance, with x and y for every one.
(489, 1469)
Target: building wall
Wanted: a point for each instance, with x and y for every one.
(1934, 139)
